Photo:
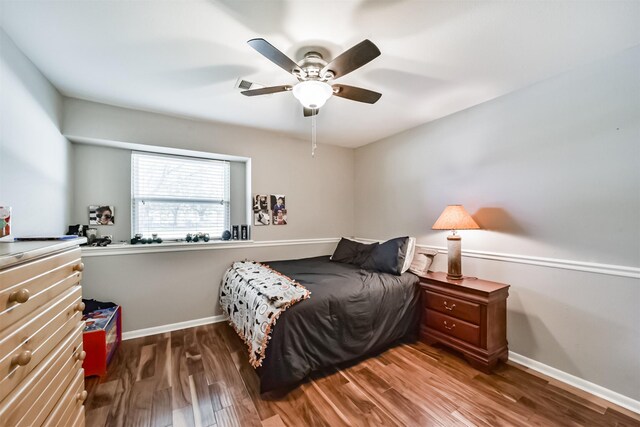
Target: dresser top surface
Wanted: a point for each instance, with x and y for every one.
(17, 252)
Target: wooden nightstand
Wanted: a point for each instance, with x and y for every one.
(468, 315)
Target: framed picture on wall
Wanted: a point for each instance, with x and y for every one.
(261, 210)
(278, 209)
(102, 215)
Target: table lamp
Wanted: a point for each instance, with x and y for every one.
(453, 218)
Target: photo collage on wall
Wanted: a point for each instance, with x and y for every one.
(269, 210)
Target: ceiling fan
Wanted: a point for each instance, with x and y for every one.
(315, 75)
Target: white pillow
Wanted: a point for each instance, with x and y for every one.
(422, 261)
(408, 258)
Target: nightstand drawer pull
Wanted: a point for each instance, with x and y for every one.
(450, 308)
(449, 327)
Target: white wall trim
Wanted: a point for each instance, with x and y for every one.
(565, 264)
(589, 387)
(154, 148)
(138, 333)
(127, 249)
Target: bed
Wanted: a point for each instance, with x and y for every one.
(298, 316)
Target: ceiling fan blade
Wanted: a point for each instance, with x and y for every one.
(274, 55)
(266, 90)
(356, 93)
(352, 59)
(308, 112)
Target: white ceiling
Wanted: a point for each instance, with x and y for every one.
(438, 57)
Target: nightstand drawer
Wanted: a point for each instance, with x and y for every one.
(454, 307)
(453, 327)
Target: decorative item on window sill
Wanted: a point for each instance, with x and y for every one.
(197, 237)
(139, 238)
(77, 230)
(101, 241)
(453, 218)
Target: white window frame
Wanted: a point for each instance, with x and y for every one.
(226, 199)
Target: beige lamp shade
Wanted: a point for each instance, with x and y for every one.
(455, 217)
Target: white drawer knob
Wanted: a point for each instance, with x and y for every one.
(78, 267)
(81, 356)
(82, 396)
(79, 306)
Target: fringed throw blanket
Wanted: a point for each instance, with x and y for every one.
(253, 296)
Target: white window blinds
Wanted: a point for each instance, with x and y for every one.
(173, 195)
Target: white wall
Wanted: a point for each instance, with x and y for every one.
(550, 171)
(35, 172)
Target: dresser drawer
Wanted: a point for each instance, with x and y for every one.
(454, 307)
(26, 287)
(32, 401)
(453, 327)
(23, 346)
(70, 403)
(78, 419)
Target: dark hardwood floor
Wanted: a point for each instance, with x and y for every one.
(201, 377)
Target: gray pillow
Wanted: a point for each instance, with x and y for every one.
(352, 252)
(388, 257)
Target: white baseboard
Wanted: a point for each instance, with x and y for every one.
(172, 327)
(589, 387)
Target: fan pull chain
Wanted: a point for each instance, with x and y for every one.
(314, 145)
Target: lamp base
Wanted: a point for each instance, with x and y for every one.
(454, 257)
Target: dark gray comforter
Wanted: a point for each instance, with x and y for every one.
(351, 313)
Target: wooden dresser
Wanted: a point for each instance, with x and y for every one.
(468, 315)
(41, 376)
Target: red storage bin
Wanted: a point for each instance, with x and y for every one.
(101, 337)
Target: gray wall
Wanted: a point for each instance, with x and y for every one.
(103, 176)
(550, 171)
(164, 288)
(156, 289)
(280, 165)
(35, 172)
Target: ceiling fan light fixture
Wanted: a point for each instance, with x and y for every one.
(312, 93)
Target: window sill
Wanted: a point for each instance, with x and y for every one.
(149, 248)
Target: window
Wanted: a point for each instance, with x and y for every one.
(173, 195)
